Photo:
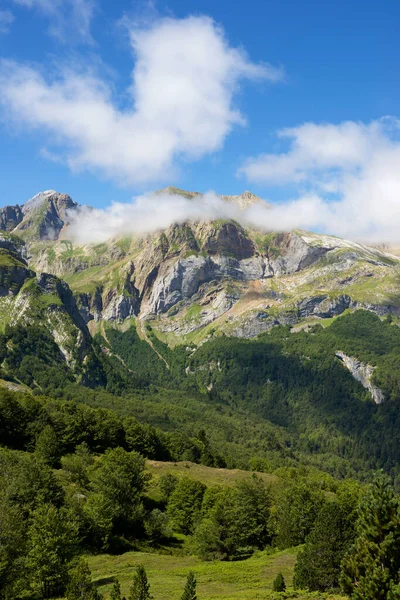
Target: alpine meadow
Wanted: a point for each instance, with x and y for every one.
(199, 390)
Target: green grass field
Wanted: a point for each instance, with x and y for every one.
(207, 475)
(249, 579)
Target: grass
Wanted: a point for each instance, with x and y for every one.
(207, 475)
(249, 579)
(10, 259)
(193, 312)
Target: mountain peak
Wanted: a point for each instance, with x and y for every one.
(41, 217)
(243, 200)
(172, 190)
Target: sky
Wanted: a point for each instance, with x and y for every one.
(295, 100)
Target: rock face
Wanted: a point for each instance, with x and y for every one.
(363, 373)
(295, 254)
(42, 217)
(192, 274)
(10, 217)
(323, 306)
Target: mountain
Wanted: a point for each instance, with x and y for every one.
(40, 218)
(210, 325)
(196, 278)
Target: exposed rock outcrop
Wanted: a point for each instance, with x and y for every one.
(363, 373)
(10, 217)
(294, 254)
(323, 306)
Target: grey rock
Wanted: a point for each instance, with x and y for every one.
(323, 306)
(295, 254)
(10, 217)
(363, 373)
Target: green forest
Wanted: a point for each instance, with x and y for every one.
(320, 460)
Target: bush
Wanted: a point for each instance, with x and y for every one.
(279, 584)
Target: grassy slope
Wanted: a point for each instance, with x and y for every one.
(241, 580)
(237, 580)
(207, 475)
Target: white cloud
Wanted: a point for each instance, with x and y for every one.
(69, 19)
(180, 103)
(145, 214)
(347, 177)
(6, 19)
(157, 211)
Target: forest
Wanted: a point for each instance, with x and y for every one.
(74, 460)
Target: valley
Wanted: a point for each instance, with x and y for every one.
(199, 399)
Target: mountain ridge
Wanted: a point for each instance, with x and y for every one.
(200, 276)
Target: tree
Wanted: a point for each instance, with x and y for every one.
(185, 503)
(189, 593)
(119, 479)
(156, 525)
(77, 464)
(47, 446)
(234, 520)
(52, 542)
(12, 547)
(279, 584)
(167, 484)
(318, 564)
(80, 586)
(370, 570)
(297, 509)
(251, 512)
(140, 589)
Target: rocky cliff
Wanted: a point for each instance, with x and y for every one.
(362, 373)
(198, 277)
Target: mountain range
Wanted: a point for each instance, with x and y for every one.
(195, 278)
(284, 346)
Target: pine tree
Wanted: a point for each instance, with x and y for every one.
(279, 584)
(80, 586)
(318, 564)
(140, 589)
(189, 592)
(370, 570)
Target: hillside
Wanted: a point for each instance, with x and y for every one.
(166, 325)
(207, 398)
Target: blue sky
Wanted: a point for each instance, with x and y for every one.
(331, 64)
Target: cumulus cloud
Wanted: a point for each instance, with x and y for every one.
(69, 19)
(347, 178)
(180, 102)
(6, 19)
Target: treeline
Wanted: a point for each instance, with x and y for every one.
(55, 428)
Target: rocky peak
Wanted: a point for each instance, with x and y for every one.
(172, 190)
(243, 200)
(45, 215)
